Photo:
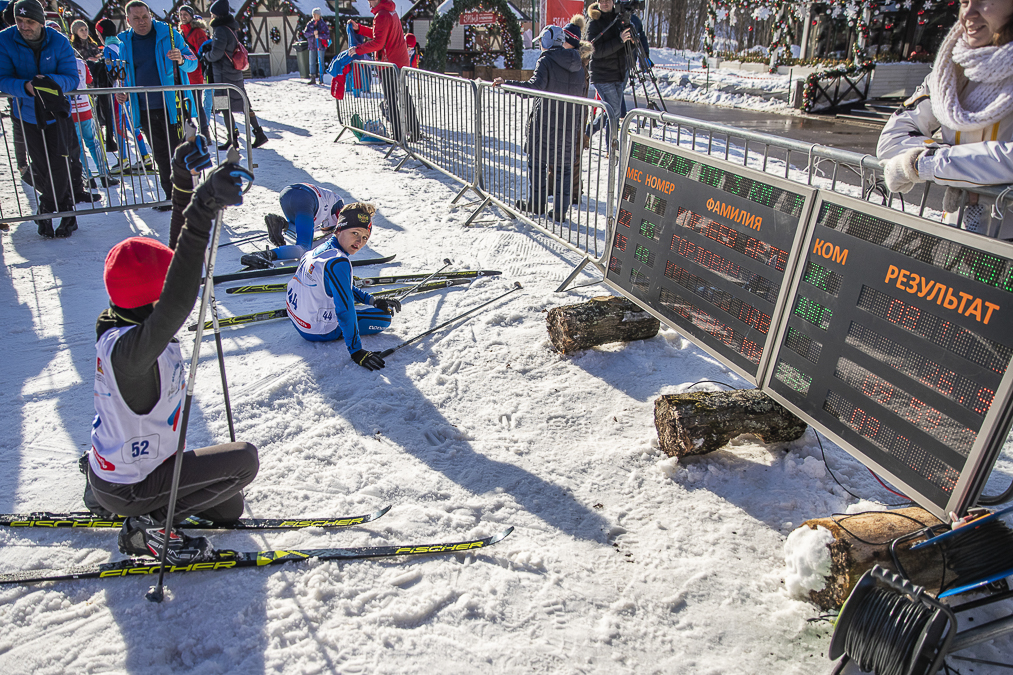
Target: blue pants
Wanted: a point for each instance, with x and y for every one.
(317, 63)
(299, 205)
(371, 321)
(86, 136)
(611, 94)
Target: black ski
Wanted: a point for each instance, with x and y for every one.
(290, 269)
(78, 519)
(281, 313)
(365, 282)
(230, 560)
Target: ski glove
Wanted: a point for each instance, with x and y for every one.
(901, 172)
(389, 305)
(368, 360)
(223, 187)
(196, 158)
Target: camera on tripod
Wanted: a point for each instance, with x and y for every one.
(625, 8)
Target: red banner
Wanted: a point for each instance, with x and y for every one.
(559, 12)
(476, 18)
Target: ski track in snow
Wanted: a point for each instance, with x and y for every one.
(622, 561)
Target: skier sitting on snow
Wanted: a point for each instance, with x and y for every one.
(305, 207)
(140, 380)
(321, 298)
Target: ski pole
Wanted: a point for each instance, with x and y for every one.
(157, 592)
(387, 352)
(446, 263)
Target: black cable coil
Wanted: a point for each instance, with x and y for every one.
(885, 630)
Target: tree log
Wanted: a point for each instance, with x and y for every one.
(851, 558)
(599, 321)
(701, 422)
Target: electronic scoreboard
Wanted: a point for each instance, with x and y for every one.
(707, 247)
(896, 342)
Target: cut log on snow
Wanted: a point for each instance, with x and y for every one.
(599, 321)
(852, 555)
(701, 422)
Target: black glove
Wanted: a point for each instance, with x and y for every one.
(192, 155)
(223, 187)
(368, 360)
(389, 305)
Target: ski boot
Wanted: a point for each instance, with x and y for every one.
(259, 260)
(276, 226)
(144, 536)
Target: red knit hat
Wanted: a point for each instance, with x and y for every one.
(410, 40)
(135, 271)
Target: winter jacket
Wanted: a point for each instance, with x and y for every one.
(319, 43)
(163, 43)
(88, 49)
(80, 106)
(608, 63)
(387, 36)
(224, 40)
(195, 34)
(964, 159)
(552, 130)
(19, 64)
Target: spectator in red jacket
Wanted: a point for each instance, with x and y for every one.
(194, 31)
(414, 53)
(388, 41)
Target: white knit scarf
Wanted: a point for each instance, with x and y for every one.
(990, 67)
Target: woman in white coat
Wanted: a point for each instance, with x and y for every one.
(968, 98)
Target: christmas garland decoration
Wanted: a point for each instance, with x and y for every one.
(809, 88)
(438, 37)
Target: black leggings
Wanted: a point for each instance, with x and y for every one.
(210, 486)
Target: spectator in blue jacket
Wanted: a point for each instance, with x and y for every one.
(149, 54)
(316, 32)
(36, 62)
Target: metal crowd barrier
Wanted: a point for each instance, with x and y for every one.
(533, 149)
(833, 169)
(365, 109)
(442, 114)
(128, 180)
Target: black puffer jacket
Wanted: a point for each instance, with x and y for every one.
(552, 132)
(224, 40)
(608, 63)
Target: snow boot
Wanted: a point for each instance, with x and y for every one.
(276, 226)
(106, 181)
(144, 536)
(46, 228)
(67, 225)
(313, 79)
(259, 137)
(259, 260)
(231, 141)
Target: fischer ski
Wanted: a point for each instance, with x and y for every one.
(290, 269)
(282, 313)
(365, 282)
(86, 519)
(230, 560)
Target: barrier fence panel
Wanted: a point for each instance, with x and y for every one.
(116, 151)
(371, 108)
(441, 115)
(534, 163)
(841, 171)
(883, 330)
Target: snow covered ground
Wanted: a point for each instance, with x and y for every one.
(622, 560)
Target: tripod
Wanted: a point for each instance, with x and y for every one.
(641, 70)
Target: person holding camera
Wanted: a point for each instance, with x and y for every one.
(608, 34)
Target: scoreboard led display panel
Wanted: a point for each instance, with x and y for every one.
(896, 341)
(707, 247)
